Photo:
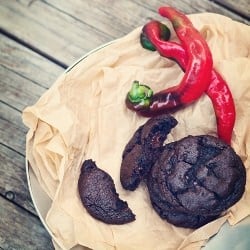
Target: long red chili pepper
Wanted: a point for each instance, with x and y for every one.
(218, 90)
(196, 78)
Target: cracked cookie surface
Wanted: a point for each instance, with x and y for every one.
(195, 180)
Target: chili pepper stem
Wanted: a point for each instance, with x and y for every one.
(139, 96)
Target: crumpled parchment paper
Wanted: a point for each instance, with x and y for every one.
(83, 116)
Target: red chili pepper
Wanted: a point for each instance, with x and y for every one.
(196, 78)
(223, 103)
(218, 90)
(153, 40)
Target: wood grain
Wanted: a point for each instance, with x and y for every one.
(86, 24)
(12, 130)
(55, 33)
(240, 7)
(120, 16)
(38, 39)
(196, 6)
(27, 63)
(13, 182)
(17, 90)
(16, 207)
(21, 230)
(12, 157)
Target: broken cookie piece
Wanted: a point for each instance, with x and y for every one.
(99, 197)
(143, 149)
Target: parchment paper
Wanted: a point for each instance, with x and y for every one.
(83, 116)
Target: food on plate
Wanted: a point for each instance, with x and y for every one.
(143, 149)
(198, 69)
(218, 90)
(99, 197)
(192, 180)
(83, 116)
(153, 38)
(195, 180)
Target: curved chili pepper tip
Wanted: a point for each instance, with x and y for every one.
(145, 42)
(164, 33)
(178, 18)
(162, 30)
(139, 96)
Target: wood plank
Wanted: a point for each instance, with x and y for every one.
(18, 91)
(197, 6)
(241, 7)
(27, 63)
(55, 33)
(124, 21)
(12, 133)
(21, 230)
(13, 181)
(25, 75)
(115, 18)
(75, 26)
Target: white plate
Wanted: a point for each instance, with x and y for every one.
(228, 238)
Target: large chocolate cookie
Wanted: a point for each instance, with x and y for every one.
(195, 180)
(99, 197)
(143, 149)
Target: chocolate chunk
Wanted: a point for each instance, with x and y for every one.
(195, 180)
(99, 197)
(143, 149)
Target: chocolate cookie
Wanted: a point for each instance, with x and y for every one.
(195, 180)
(143, 149)
(98, 195)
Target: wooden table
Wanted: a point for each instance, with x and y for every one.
(39, 39)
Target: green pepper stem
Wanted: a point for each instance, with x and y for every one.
(140, 94)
